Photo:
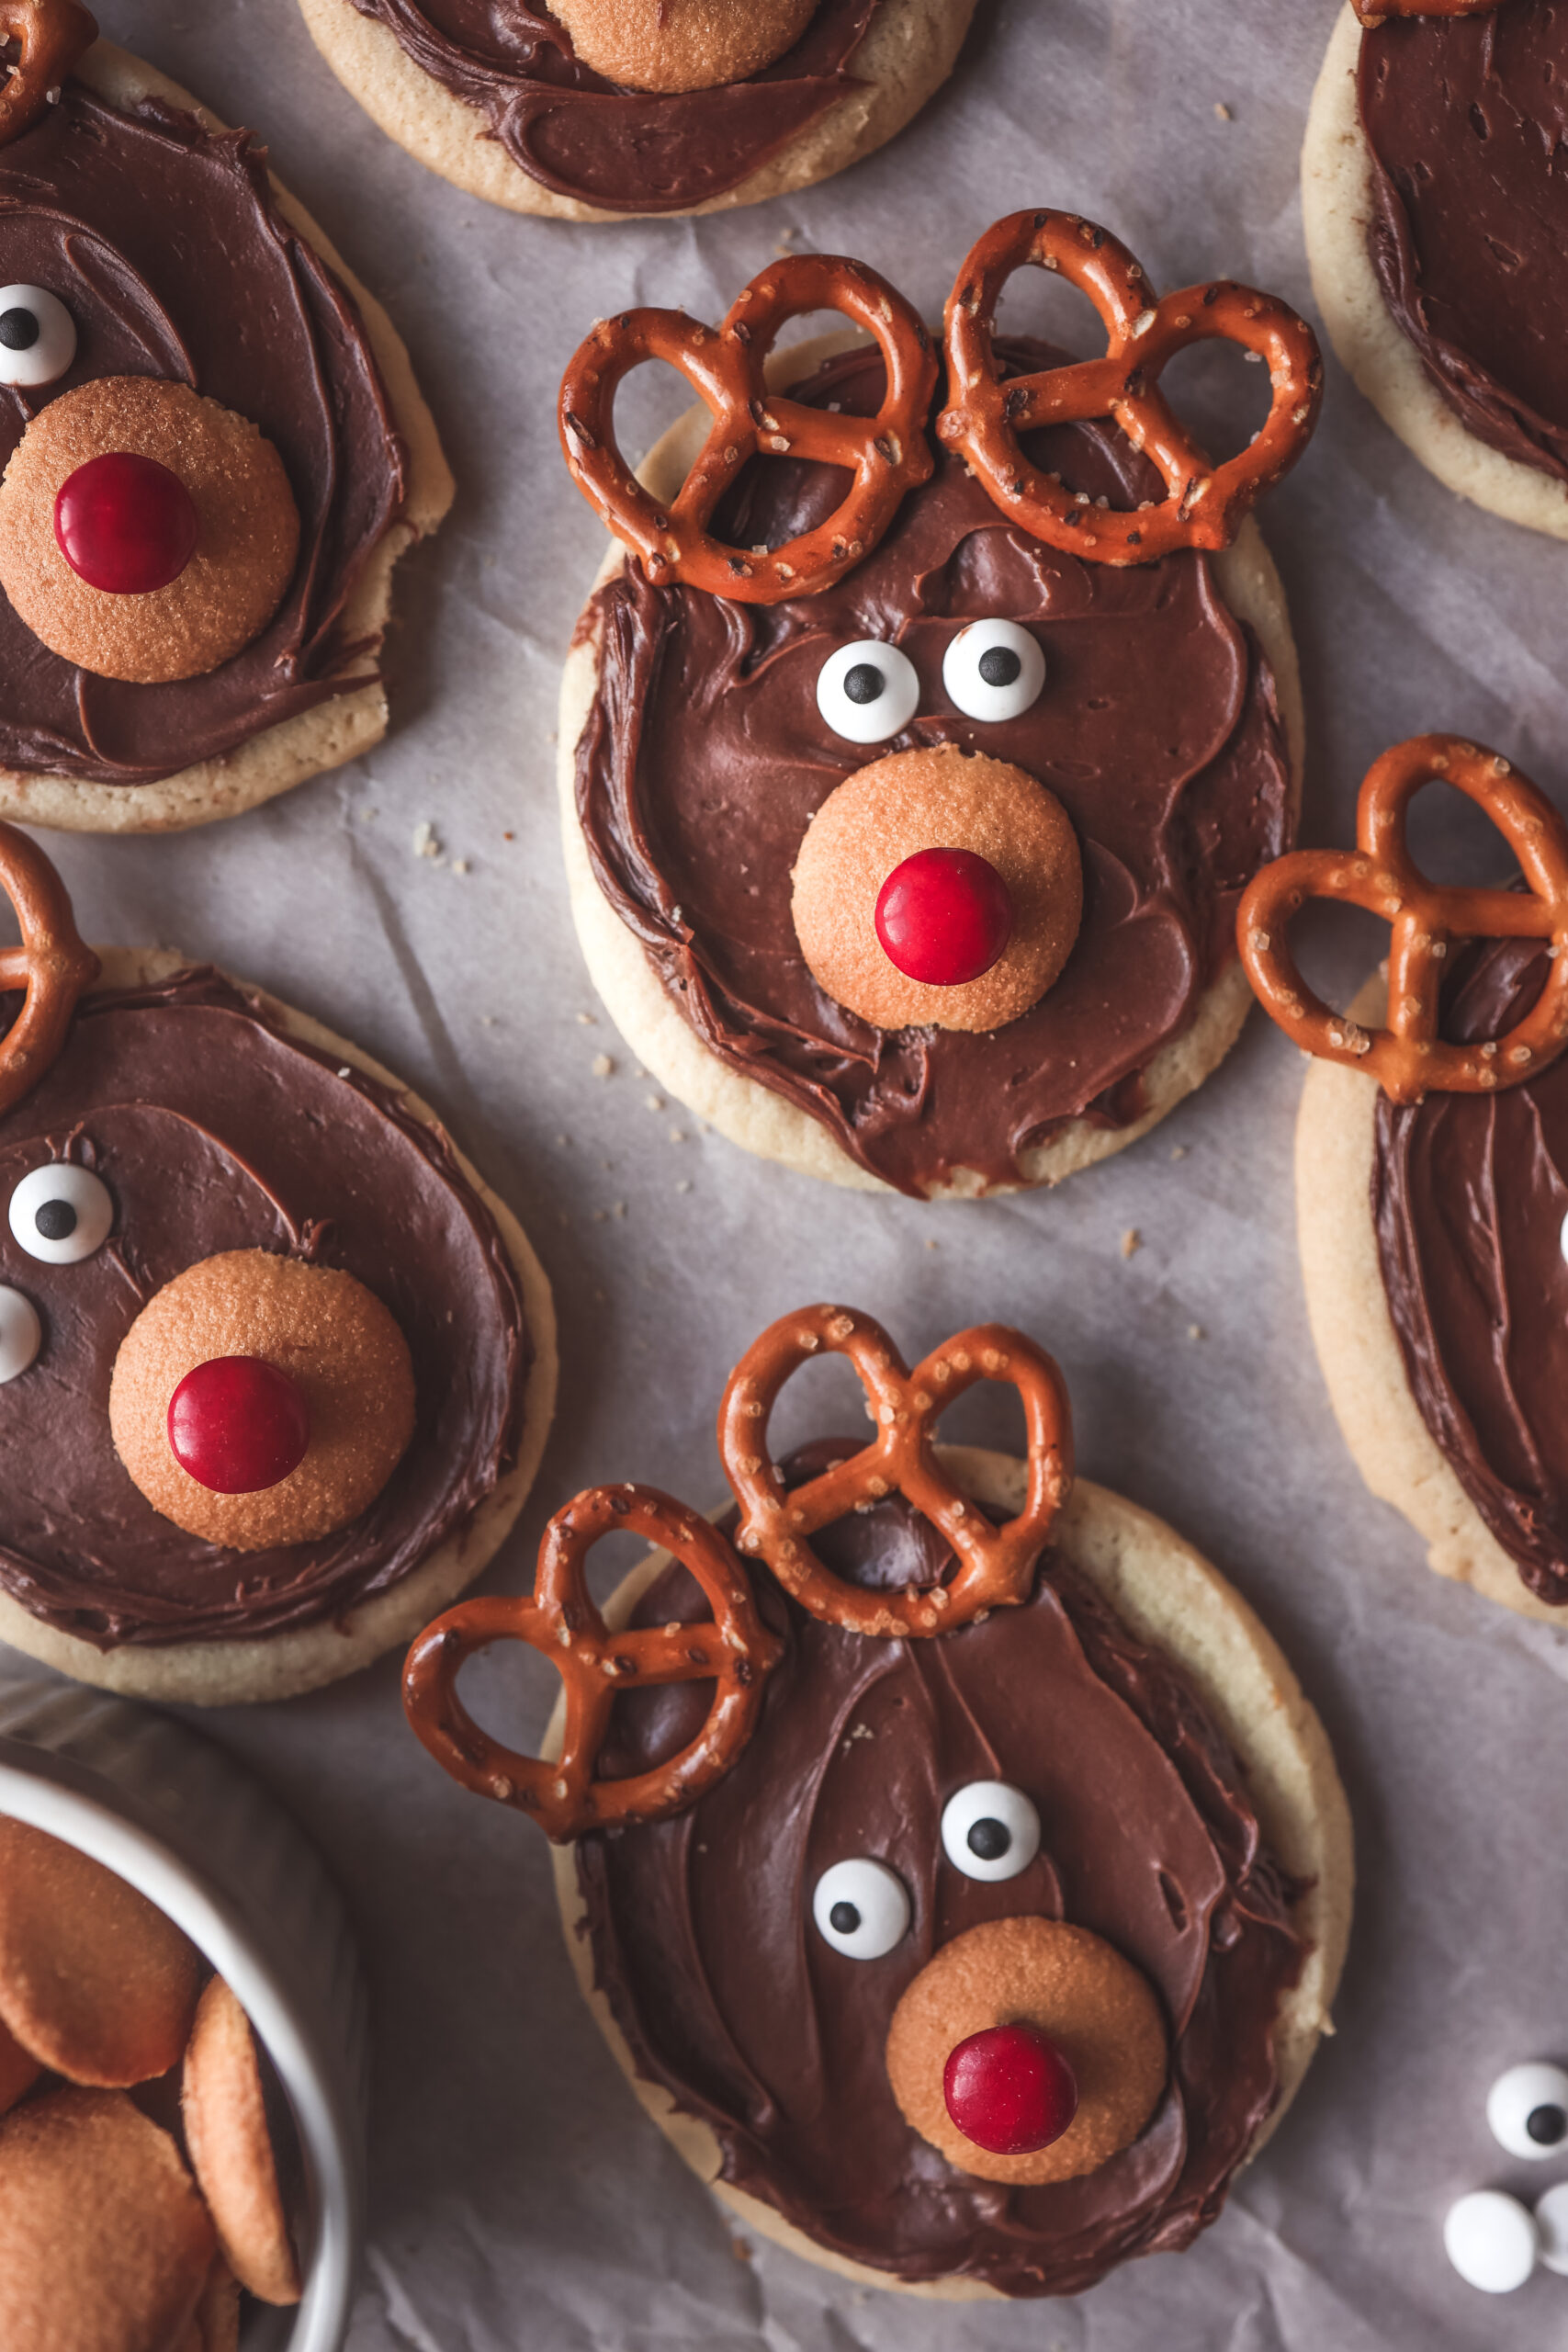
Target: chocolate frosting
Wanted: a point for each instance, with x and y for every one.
(703, 1939)
(164, 242)
(704, 757)
(624, 151)
(213, 1131)
(1464, 117)
(1469, 1196)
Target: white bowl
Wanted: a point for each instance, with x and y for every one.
(175, 1816)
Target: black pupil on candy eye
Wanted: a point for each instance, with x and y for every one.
(1547, 2126)
(56, 1220)
(843, 1918)
(990, 1838)
(18, 330)
(1000, 666)
(863, 683)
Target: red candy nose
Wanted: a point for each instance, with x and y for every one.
(125, 523)
(237, 1424)
(944, 916)
(1009, 2089)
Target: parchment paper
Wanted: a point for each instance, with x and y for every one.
(519, 2198)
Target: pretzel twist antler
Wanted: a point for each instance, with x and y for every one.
(1408, 1058)
(887, 454)
(54, 35)
(51, 965)
(986, 412)
(996, 1564)
(735, 1652)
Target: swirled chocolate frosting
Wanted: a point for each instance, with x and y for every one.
(704, 757)
(1466, 118)
(624, 151)
(213, 1131)
(703, 1937)
(164, 242)
(1469, 1196)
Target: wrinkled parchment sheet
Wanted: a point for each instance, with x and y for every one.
(519, 2199)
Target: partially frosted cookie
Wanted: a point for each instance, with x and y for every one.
(1434, 221)
(278, 1366)
(912, 760)
(1432, 1173)
(838, 1789)
(199, 521)
(603, 108)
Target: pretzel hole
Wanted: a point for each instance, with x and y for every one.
(824, 1394)
(1334, 946)
(1453, 841)
(509, 1690)
(1044, 306)
(648, 1726)
(1219, 394)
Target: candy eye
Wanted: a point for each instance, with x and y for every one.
(38, 337)
(868, 690)
(1527, 2111)
(989, 1830)
(61, 1213)
(993, 670)
(21, 1335)
(861, 1909)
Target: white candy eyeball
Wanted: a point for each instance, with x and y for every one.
(1527, 2111)
(989, 1830)
(993, 670)
(861, 1909)
(1492, 2241)
(61, 1213)
(37, 336)
(1551, 2222)
(868, 692)
(21, 1334)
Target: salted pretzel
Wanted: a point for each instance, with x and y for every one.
(887, 454)
(986, 412)
(1408, 1058)
(54, 35)
(51, 965)
(996, 1564)
(735, 1651)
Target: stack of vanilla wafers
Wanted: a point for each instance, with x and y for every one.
(138, 2188)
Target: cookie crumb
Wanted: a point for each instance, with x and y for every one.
(603, 1067)
(677, 1135)
(461, 865)
(587, 1021)
(654, 1102)
(618, 1208)
(1179, 1151)
(426, 843)
(1223, 112)
(931, 1245)
(1196, 1331)
(1131, 1241)
(684, 1185)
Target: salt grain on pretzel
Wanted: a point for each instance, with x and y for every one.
(996, 1564)
(52, 35)
(735, 1652)
(1409, 1058)
(51, 966)
(885, 454)
(986, 412)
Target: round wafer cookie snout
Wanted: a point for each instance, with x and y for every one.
(96, 1983)
(884, 816)
(1095, 2008)
(339, 1352)
(683, 44)
(230, 2149)
(130, 481)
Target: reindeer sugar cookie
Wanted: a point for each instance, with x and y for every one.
(602, 109)
(275, 1367)
(946, 1852)
(910, 771)
(1432, 1172)
(213, 454)
(1435, 223)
